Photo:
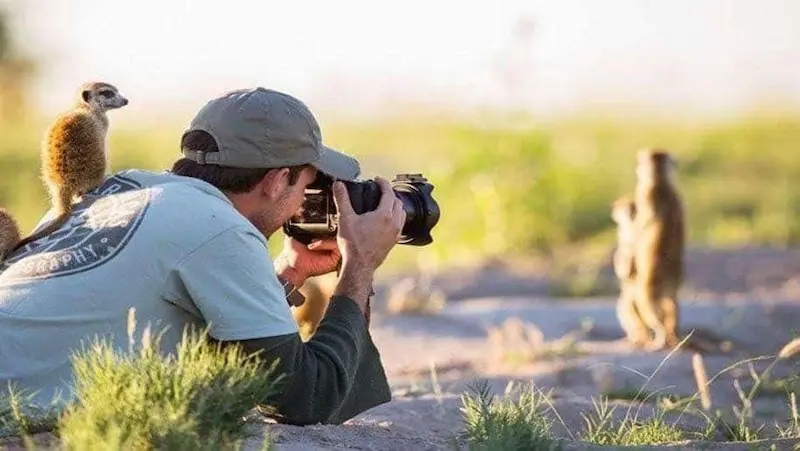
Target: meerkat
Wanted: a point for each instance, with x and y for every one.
(9, 233)
(317, 292)
(659, 232)
(623, 212)
(73, 154)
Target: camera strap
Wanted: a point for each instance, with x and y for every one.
(293, 296)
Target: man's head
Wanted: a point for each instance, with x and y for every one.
(262, 148)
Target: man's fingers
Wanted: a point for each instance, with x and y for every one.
(323, 245)
(387, 195)
(399, 218)
(342, 200)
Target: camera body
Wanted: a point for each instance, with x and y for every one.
(317, 217)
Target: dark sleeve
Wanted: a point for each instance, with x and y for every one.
(332, 377)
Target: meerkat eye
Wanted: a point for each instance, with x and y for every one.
(107, 94)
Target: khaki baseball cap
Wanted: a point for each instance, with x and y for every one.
(263, 128)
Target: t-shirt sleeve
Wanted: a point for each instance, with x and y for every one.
(230, 281)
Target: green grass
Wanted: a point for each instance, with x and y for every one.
(515, 422)
(510, 187)
(523, 419)
(603, 429)
(195, 398)
(19, 417)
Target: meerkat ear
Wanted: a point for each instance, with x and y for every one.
(85, 95)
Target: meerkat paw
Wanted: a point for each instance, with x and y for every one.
(658, 343)
(638, 343)
(672, 340)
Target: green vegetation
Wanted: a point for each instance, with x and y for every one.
(505, 189)
(195, 398)
(524, 416)
(602, 429)
(515, 422)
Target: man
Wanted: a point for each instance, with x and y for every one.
(189, 248)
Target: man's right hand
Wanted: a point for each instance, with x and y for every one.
(366, 239)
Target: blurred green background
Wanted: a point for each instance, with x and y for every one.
(524, 191)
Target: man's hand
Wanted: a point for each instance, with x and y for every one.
(365, 240)
(297, 262)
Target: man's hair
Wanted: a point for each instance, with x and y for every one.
(230, 179)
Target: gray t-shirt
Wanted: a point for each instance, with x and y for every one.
(171, 247)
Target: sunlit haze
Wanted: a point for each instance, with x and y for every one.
(358, 56)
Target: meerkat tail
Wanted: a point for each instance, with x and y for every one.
(63, 207)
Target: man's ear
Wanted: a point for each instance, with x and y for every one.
(274, 182)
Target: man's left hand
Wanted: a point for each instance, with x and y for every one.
(297, 262)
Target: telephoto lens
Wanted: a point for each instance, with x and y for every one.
(317, 216)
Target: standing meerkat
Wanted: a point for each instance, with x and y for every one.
(623, 212)
(9, 233)
(74, 159)
(659, 232)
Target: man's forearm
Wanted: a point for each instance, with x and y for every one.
(321, 374)
(356, 284)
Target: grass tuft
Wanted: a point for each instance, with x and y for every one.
(196, 399)
(20, 417)
(516, 422)
(602, 429)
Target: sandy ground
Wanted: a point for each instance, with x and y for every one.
(750, 298)
(424, 414)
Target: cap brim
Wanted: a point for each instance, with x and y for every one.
(337, 164)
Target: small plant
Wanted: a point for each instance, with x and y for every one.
(733, 431)
(793, 429)
(195, 400)
(740, 427)
(701, 379)
(603, 429)
(510, 424)
(20, 417)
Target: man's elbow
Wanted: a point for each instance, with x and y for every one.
(301, 416)
(302, 405)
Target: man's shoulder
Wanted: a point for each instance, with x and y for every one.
(189, 205)
(147, 178)
(168, 185)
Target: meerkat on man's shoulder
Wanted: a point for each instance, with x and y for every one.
(74, 155)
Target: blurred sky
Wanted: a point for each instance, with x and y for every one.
(357, 56)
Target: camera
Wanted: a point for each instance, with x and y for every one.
(317, 216)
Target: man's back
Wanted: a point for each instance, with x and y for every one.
(118, 250)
